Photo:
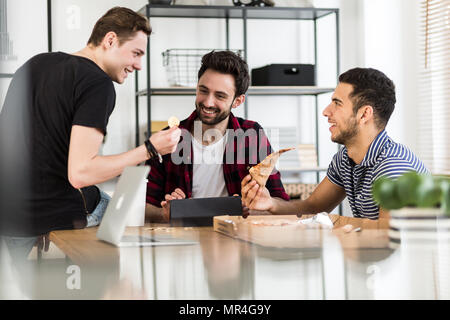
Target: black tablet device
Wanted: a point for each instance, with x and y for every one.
(200, 211)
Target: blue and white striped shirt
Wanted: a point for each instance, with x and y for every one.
(384, 158)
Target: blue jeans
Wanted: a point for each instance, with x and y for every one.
(20, 247)
(96, 216)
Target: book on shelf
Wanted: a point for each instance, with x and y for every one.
(307, 155)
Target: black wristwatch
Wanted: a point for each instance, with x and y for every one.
(151, 150)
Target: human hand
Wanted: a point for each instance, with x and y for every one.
(254, 196)
(176, 194)
(166, 141)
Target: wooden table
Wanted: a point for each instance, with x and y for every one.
(355, 265)
(82, 246)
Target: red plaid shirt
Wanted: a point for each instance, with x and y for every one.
(165, 177)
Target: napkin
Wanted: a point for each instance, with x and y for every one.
(319, 220)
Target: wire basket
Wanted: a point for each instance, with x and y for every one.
(182, 65)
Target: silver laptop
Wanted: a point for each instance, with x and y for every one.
(119, 209)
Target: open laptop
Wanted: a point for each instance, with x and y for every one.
(119, 209)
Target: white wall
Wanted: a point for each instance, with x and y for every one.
(391, 45)
(27, 28)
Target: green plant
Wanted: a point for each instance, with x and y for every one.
(413, 190)
(384, 191)
(407, 186)
(445, 187)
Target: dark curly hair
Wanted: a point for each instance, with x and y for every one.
(374, 88)
(227, 62)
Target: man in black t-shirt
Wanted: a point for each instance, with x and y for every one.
(52, 125)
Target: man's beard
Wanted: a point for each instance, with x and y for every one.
(219, 117)
(345, 136)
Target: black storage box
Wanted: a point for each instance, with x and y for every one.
(284, 75)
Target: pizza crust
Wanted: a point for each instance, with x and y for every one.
(173, 121)
(261, 172)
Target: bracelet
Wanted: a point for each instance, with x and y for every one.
(151, 150)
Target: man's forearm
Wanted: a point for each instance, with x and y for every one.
(324, 198)
(294, 207)
(103, 168)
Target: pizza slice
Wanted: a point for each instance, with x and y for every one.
(261, 172)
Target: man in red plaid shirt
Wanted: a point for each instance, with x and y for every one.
(216, 149)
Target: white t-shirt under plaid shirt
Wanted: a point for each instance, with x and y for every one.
(384, 158)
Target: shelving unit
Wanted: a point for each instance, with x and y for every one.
(5, 45)
(244, 14)
(49, 35)
(252, 91)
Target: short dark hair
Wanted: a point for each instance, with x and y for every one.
(227, 62)
(123, 21)
(374, 88)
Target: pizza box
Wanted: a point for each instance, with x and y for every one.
(284, 231)
(280, 231)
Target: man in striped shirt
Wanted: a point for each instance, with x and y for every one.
(360, 108)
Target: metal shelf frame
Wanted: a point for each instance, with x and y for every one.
(244, 14)
(232, 12)
(252, 91)
(235, 12)
(49, 36)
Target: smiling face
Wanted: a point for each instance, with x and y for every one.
(215, 97)
(120, 59)
(341, 118)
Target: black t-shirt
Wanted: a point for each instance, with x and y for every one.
(47, 96)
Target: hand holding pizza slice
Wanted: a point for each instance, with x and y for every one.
(261, 172)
